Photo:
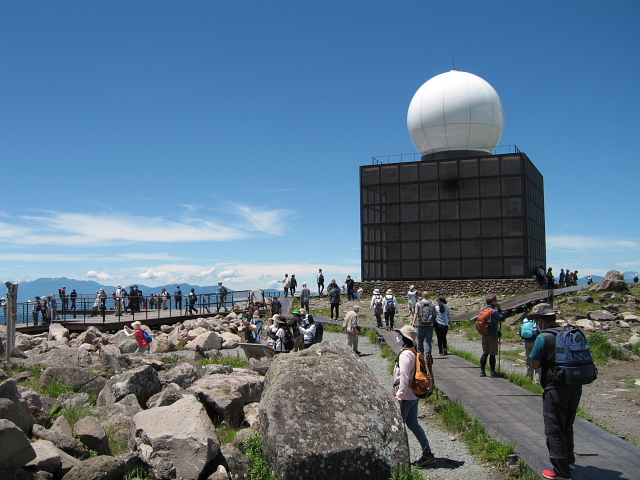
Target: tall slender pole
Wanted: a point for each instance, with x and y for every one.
(12, 310)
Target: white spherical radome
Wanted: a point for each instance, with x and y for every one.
(455, 111)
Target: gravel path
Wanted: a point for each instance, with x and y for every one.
(455, 461)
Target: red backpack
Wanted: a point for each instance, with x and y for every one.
(484, 320)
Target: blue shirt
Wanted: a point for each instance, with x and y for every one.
(537, 353)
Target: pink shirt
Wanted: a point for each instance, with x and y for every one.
(405, 371)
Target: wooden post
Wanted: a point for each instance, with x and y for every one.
(12, 310)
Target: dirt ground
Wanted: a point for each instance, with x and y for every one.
(612, 401)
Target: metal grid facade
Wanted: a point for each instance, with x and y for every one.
(468, 217)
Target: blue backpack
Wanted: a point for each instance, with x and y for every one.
(573, 363)
(529, 330)
(147, 336)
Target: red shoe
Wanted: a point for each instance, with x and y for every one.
(553, 475)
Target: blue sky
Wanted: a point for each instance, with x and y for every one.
(196, 141)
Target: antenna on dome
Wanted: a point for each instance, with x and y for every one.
(453, 61)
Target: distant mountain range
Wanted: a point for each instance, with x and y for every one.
(49, 286)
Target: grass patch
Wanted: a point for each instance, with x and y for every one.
(232, 361)
(636, 348)
(595, 421)
(75, 413)
(258, 466)
(332, 328)
(56, 388)
(117, 444)
(455, 419)
(405, 472)
(226, 434)
(140, 472)
(602, 351)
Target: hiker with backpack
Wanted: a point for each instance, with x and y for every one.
(488, 325)
(390, 306)
(280, 336)
(293, 324)
(565, 360)
(412, 299)
(528, 332)
(403, 375)
(320, 282)
(443, 317)
(142, 338)
(376, 306)
(334, 300)
(193, 298)
(423, 321)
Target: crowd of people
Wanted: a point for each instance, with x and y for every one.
(547, 279)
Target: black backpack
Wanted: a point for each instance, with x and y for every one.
(317, 337)
(288, 339)
(428, 314)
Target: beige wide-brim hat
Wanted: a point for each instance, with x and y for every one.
(543, 310)
(409, 332)
(389, 292)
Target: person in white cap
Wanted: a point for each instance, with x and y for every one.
(412, 297)
(402, 374)
(376, 306)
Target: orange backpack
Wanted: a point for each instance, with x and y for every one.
(484, 320)
(422, 382)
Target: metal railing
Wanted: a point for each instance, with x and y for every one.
(150, 306)
(414, 157)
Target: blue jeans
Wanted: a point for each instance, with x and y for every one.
(424, 334)
(409, 410)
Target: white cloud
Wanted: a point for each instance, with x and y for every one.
(267, 221)
(585, 243)
(102, 276)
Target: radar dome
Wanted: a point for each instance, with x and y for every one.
(455, 111)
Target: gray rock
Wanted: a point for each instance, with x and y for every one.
(252, 414)
(125, 343)
(81, 379)
(91, 433)
(14, 408)
(584, 323)
(66, 443)
(221, 473)
(143, 382)
(58, 333)
(247, 382)
(98, 468)
(24, 474)
(613, 281)
(601, 316)
(234, 461)
(224, 400)
(47, 457)
(261, 367)
(15, 449)
(61, 425)
(179, 438)
(635, 339)
(184, 373)
(206, 341)
(169, 395)
(348, 439)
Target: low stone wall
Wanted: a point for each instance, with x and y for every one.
(496, 286)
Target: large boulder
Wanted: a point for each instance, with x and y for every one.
(66, 443)
(184, 373)
(81, 379)
(15, 449)
(162, 344)
(601, 316)
(58, 333)
(613, 282)
(125, 343)
(206, 341)
(91, 433)
(102, 467)
(14, 408)
(224, 400)
(308, 406)
(143, 382)
(178, 440)
(50, 458)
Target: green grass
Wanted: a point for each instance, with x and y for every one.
(258, 466)
(117, 446)
(139, 472)
(405, 472)
(602, 351)
(75, 413)
(636, 348)
(232, 361)
(226, 434)
(56, 388)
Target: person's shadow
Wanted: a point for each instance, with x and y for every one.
(444, 462)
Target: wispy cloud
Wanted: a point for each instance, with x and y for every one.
(584, 243)
(115, 228)
(100, 276)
